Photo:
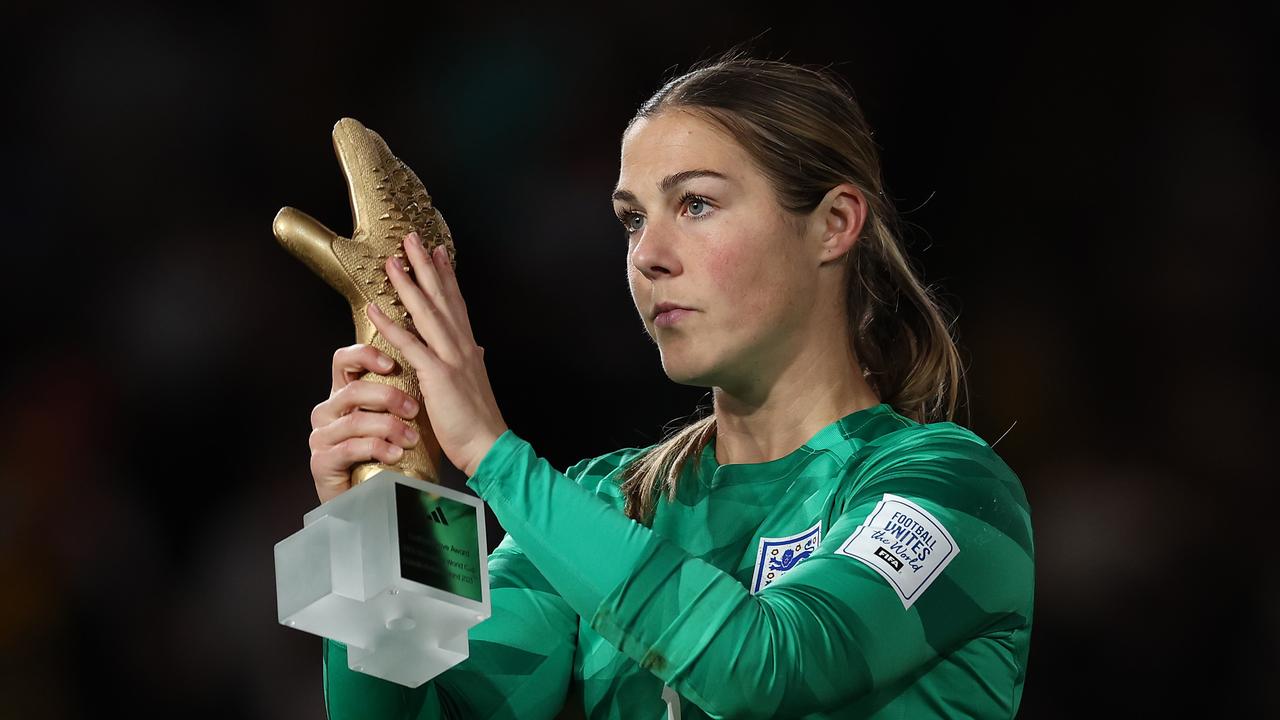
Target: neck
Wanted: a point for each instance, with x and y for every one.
(804, 394)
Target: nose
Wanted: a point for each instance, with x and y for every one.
(654, 254)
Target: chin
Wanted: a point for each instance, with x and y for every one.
(684, 371)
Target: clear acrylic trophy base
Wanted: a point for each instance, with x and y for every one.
(396, 569)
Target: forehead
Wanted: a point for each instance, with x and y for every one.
(675, 141)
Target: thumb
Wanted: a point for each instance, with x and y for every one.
(312, 243)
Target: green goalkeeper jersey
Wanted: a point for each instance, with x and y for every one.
(884, 569)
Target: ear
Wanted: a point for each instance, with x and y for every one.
(838, 221)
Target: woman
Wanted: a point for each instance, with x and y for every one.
(817, 546)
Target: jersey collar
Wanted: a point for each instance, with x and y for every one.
(835, 433)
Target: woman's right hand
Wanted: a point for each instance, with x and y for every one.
(356, 424)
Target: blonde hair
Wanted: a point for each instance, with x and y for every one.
(806, 133)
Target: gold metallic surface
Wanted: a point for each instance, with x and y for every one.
(387, 202)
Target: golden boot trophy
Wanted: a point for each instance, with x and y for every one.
(396, 568)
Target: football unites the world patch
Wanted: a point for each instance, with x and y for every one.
(777, 556)
(904, 543)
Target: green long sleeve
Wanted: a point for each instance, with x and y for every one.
(884, 569)
(834, 629)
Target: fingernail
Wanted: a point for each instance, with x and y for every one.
(396, 451)
(411, 435)
(384, 362)
(411, 407)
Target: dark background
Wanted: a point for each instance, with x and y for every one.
(1092, 189)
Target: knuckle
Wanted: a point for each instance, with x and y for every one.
(392, 397)
(323, 464)
(355, 390)
(392, 426)
(351, 448)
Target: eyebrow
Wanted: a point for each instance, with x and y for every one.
(669, 182)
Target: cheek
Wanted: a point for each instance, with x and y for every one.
(746, 283)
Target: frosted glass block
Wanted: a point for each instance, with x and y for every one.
(396, 569)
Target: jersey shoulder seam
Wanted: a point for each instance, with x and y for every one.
(919, 437)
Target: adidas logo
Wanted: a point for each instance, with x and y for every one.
(438, 516)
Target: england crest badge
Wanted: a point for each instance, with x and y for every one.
(777, 556)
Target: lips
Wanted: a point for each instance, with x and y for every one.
(665, 306)
(670, 317)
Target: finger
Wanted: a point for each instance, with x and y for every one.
(353, 361)
(452, 293)
(424, 268)
(423, 299)
(364, 395)
(430, 268)
(355, 450)
(331, 469)
(360, 450)
(377, 397)
(415, 352)
(363, 424)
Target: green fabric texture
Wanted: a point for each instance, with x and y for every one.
(590, 603)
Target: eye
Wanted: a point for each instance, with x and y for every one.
(633, 221)
(627, 218)
(695, 201)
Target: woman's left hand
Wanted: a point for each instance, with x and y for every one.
(450, 366)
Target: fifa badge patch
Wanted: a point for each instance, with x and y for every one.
(904, 543)
(777, 556)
